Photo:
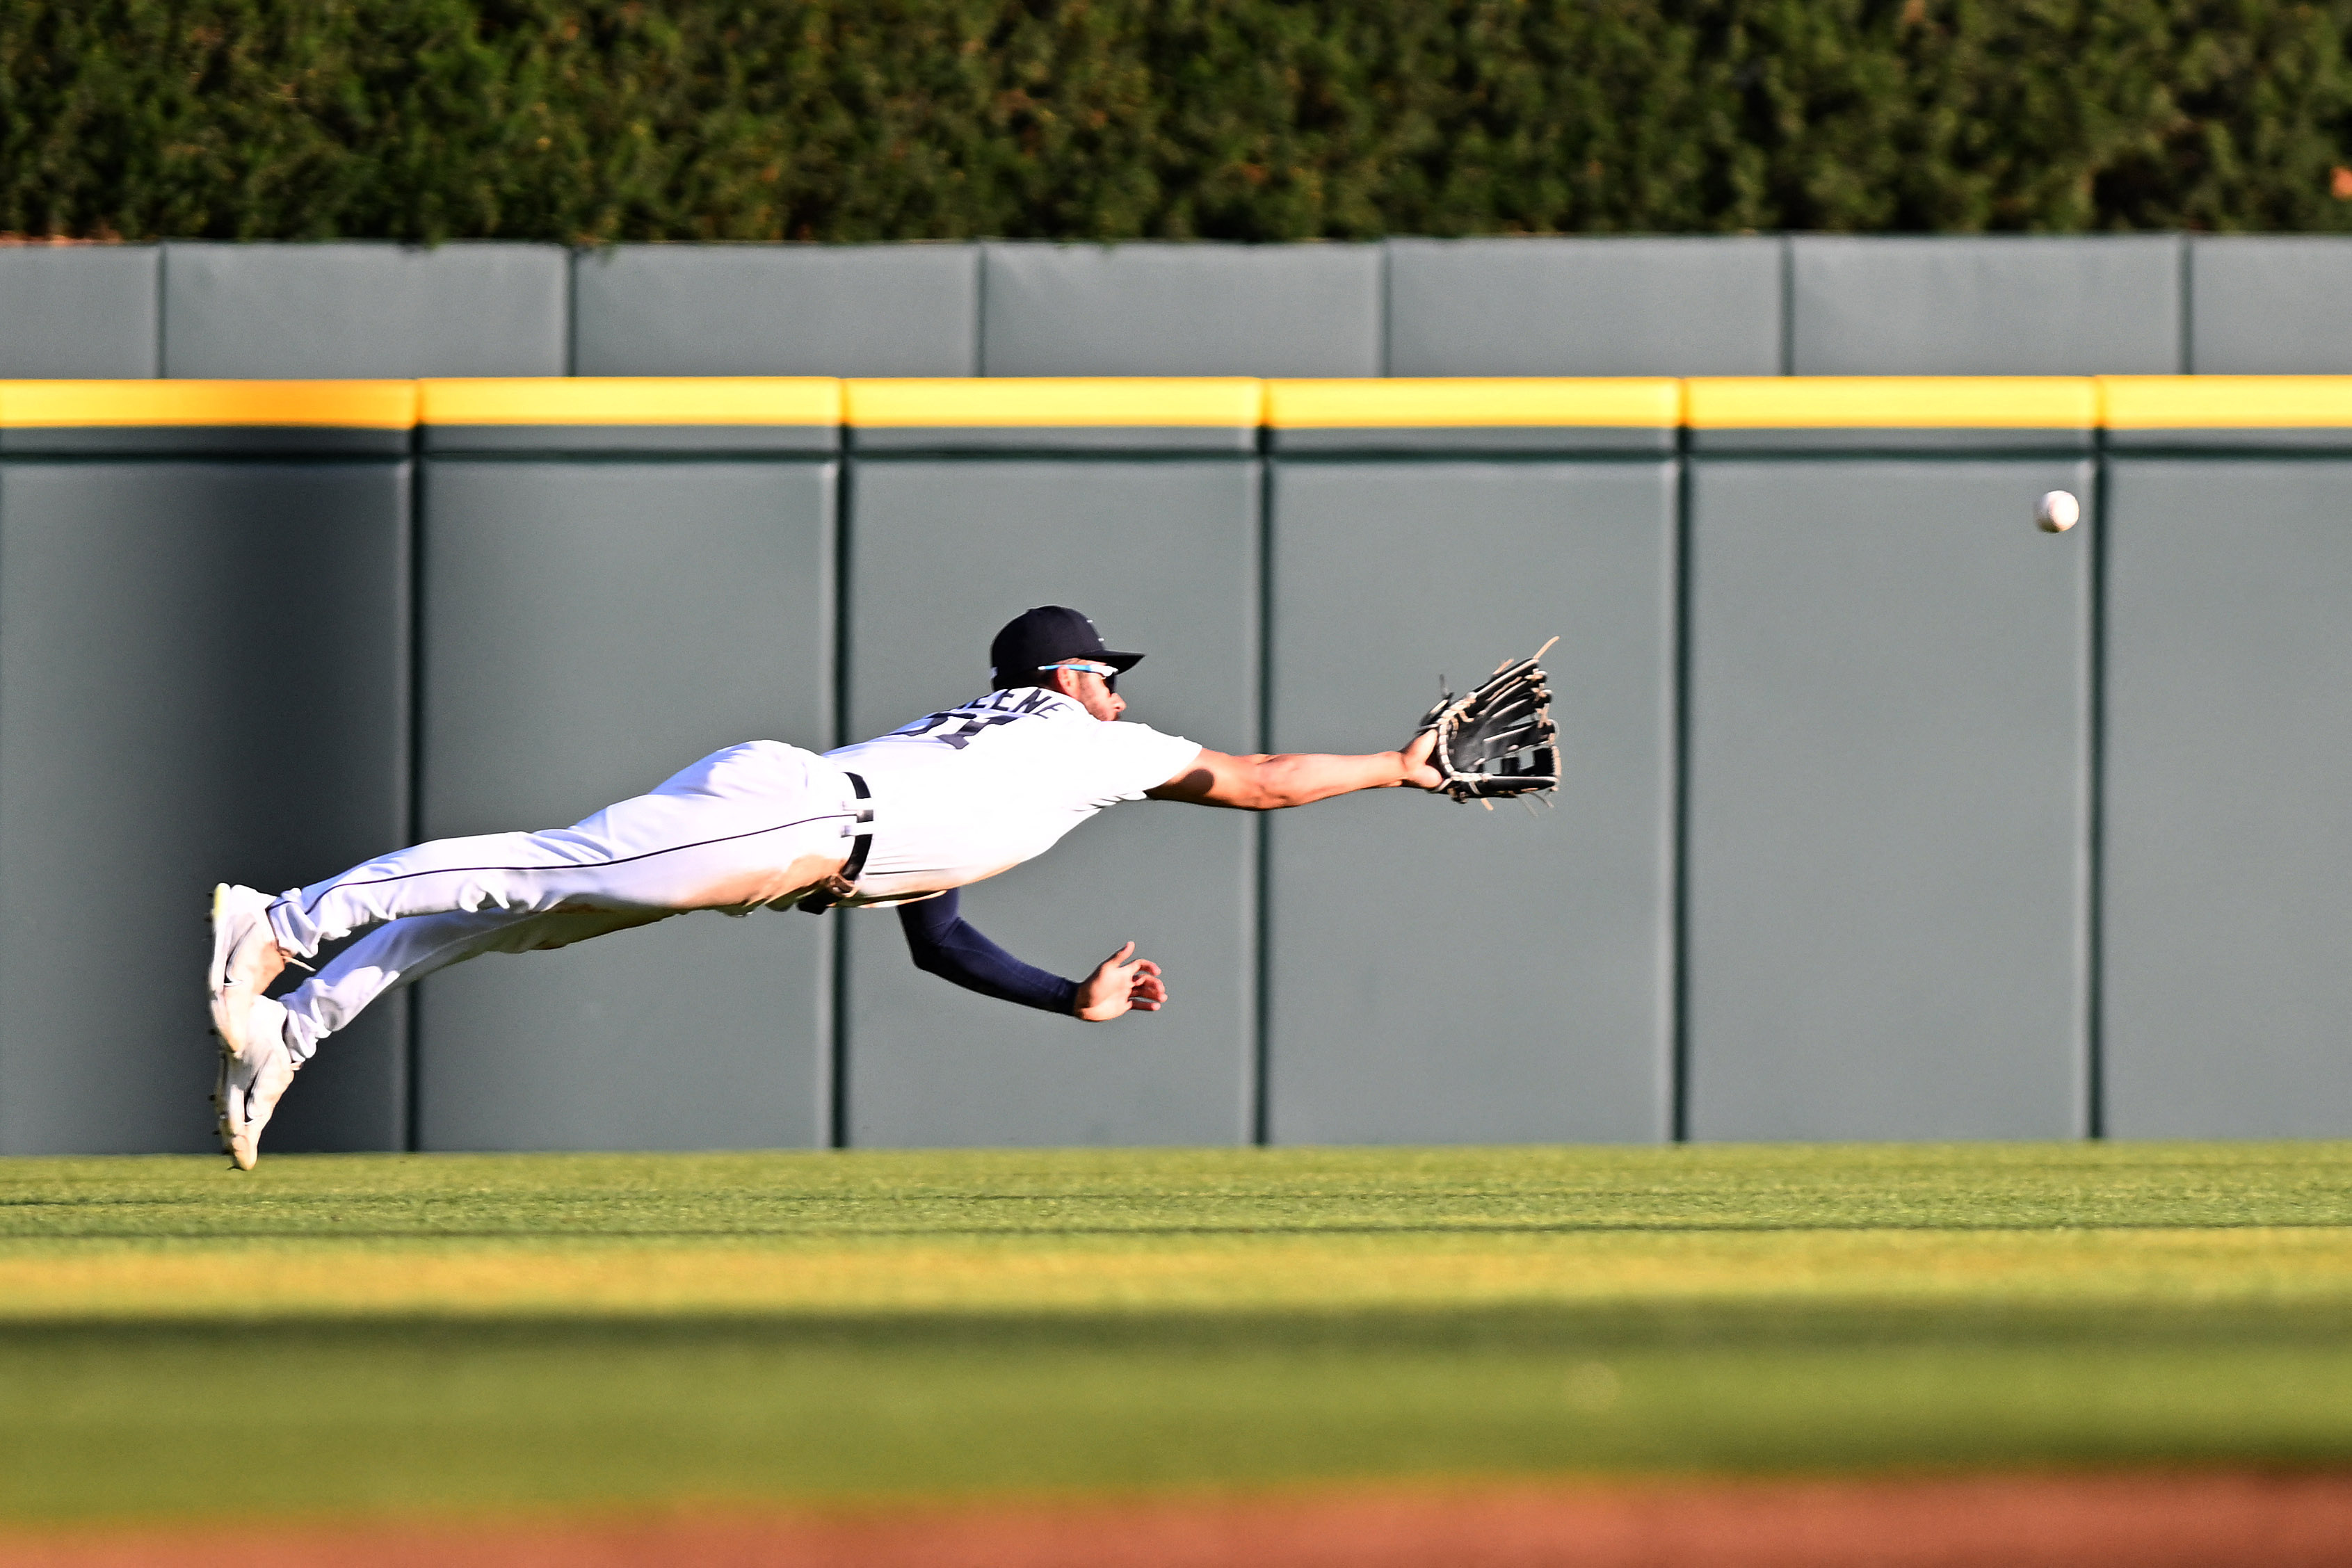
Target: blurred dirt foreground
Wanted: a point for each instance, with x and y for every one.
(2158, 1519)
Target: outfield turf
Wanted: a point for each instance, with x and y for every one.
(454, 1333)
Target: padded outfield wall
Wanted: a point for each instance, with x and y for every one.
(1885, 815)
(1800, 305)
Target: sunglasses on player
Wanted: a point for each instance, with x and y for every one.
(1109, 673)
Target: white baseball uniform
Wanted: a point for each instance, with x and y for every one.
(955, 797)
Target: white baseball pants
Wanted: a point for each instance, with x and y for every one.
(752, 825)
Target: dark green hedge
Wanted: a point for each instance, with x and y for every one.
(853, 119)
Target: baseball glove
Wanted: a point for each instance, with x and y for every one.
(1499, 739)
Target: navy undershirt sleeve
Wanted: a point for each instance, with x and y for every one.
(944, 944)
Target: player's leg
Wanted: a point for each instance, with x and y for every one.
(753, 824)
(740, 827)
(747, 826)
(282, 1034)
(406, 951)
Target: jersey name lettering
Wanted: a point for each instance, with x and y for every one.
(975, 716)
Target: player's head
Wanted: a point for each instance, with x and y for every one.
(1054, 645)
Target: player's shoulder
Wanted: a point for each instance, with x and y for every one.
(1128, 730)
(1140, 746)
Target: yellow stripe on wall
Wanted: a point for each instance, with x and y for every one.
(632, 400)
(1891, 402)
(1433, 402)
(2225, 403)
(1783, 403)
(368, 406)
(1015, 402)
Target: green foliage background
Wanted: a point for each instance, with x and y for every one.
(1260, 120)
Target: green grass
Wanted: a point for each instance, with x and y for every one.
(545, 1331)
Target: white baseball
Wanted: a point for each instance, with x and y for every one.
(2057, 511)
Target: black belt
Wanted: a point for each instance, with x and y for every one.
(864, 841)
(825, 898)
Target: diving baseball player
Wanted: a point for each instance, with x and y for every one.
(905, 819)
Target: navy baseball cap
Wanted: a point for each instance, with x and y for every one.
(1047, 635)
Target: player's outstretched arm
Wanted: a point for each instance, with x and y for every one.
(1294, 778)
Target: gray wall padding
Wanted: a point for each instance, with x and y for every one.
(1566, 305)
(204, 677)
(1667, 306)
(2269, 305)
(1889, 749)
(364, 312)
(1163, 554)
(1887, 823)
(589, 629)
(1441, 973)
(1974, 306)
(2228, 847)
(1180, 310)
(78, 311)
(777, 310)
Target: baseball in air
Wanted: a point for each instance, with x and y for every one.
(2057, 511)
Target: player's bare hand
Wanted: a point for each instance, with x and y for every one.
(1119, 983)
(1415, 760)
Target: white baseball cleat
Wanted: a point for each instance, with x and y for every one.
(255, 1069)
(255, 1065)
(245, 956)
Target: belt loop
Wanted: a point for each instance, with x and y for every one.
(825, 898)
